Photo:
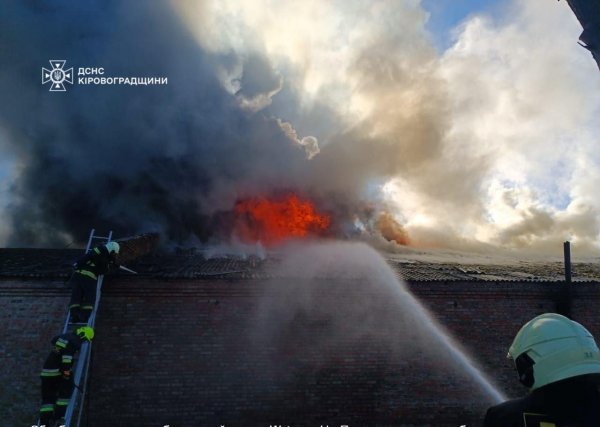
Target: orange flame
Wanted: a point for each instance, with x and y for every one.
(391, 230)
(273, 221)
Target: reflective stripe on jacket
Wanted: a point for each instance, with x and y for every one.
(60, 358)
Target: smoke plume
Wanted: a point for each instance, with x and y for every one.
(348, 104)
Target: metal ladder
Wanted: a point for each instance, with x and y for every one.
(81, 362)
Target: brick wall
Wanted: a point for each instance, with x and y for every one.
(31, 313)
(166, 353)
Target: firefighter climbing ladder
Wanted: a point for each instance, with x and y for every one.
(81, 369)
(81, 363)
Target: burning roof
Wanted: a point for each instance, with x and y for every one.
(272, 221)
(199, 265)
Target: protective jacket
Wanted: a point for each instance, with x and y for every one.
(570, 403)
(95, 263)
(60, 359)
(83, 282)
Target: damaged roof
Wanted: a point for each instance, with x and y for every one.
(192, 264)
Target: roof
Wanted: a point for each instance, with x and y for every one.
(533, 272)
(191, 264)
(48, 263)
(37, 262)
(588, 14)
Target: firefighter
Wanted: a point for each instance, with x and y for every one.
(558, 360)
(83, 280)
(57, 382)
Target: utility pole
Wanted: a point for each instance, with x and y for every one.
(567, 250)
(565, 294)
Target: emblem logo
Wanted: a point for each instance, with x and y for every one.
(57, 75)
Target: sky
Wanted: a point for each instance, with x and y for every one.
(446, 15)
(467, 124)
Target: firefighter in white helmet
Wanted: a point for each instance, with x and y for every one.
(96, 262)
(559, 361)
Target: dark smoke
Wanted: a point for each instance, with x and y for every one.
(238, 119)
(131, 159)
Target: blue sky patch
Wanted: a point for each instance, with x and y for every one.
(444, 15)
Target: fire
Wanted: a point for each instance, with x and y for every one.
(391, 230)
(273, 221)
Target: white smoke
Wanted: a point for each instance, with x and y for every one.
(492, 141)
(522, 95)
(310, 143)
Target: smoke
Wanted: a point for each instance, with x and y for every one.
(310, 143)
(133, 158)
(391, 230)
(488, 143)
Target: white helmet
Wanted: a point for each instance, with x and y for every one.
(113, 247)
(551, 348)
